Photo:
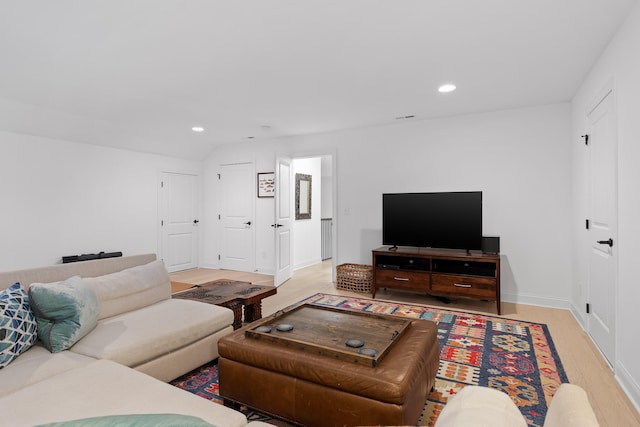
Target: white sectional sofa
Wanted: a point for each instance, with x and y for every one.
(141, 339)
(476, 406)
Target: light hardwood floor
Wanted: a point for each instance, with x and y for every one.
(582, 361)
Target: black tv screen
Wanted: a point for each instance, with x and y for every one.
(451, 220)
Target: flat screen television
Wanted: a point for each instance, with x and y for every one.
(448, 220)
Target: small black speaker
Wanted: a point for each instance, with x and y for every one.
(490, 244)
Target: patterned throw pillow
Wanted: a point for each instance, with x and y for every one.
(65, 312)
(17, 324)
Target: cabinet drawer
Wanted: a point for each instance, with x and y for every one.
(402, 279)
(479, 287)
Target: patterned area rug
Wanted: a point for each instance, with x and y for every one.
(513, 356)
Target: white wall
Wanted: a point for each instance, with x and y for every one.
(327, 187)
(62, 198)
(306, 232)
(519, 158)
(621, 64)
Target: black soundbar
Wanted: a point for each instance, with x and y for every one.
(87, 257)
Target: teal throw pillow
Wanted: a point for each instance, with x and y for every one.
(65, 312)
(17, 324)
(135, 420)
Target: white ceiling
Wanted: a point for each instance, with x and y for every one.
(139, 74)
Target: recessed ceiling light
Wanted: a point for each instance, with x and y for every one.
(197, 129)
(447, 88)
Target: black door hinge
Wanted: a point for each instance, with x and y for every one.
(588, 308)
(586, 221)
(586, 139)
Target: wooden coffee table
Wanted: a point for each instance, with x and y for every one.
(234, 295)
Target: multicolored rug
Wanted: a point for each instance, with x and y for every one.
(513, 356)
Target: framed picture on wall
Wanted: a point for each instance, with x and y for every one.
(266, 184)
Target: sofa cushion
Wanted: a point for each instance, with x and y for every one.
(130, 289)
(17, 324)
(135, 420)
(104, 388)
(37, 364)
(65, 311)
(141, 335)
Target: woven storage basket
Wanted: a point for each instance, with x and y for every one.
(354, 277)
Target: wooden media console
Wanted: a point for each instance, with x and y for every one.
(448, 273)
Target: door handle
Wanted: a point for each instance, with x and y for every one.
(195, 221)
(606, 242)
(247, 223)
(276, 225)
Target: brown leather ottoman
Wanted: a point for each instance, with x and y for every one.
(316, 390)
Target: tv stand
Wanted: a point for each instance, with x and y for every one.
(439, 272)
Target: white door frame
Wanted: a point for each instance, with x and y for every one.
(334, 195)
(251, 224)
(606, 92)
(283, 221)
(162, 249)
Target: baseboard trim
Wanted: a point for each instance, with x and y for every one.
(536, 300)
(210, 266)
(628, 384)
(579, 316)
(307, 263)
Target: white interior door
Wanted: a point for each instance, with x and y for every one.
(236, 216)
(179, 220)
(602, 287)
(282, 226)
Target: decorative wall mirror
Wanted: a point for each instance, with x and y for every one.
(303, 196)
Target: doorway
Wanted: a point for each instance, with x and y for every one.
(252, 247)
(317, 199)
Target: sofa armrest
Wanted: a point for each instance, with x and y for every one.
(570, 407)
(476, 406)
